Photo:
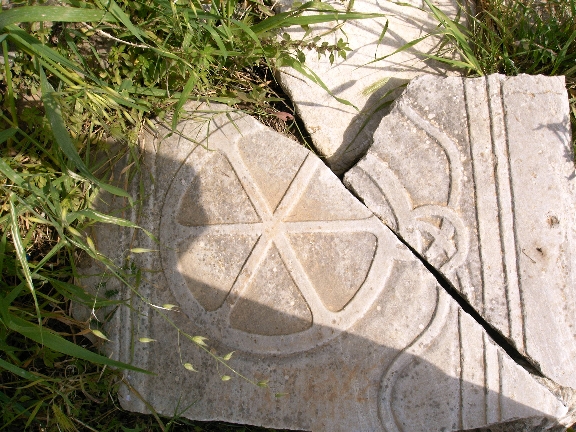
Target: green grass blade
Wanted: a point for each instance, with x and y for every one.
(248, 31)
(32, 415)
(5, 135)
(101, 217)
(9, 173)
(117, 11)
(560, 59)
(402, 48)
(21, 253)
(457, 31)
(570, 72)
(104, 218)
(47, 257)
(451, 62)
(52, 13)
(18, 371)
(216, 38)
(286, 19)
(382, 34)
(9, 96)
(190, 84)
(63, 138)
(6, 301)
(58, 343)
(33, 46)
(310, 74)
(78, 294)
(323, 18)
(3, 241)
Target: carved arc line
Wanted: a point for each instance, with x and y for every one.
(183, 171)
(462, 235)
(449, 146)
(399, 199)
(419, 345)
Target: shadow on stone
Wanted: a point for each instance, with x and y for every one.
(359, 135)
(332, 125)
(268, 256)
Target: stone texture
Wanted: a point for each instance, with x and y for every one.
(477, 175)
(341, 133)
(266, 254)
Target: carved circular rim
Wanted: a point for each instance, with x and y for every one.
(325, 325)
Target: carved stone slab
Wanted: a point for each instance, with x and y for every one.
(477, 175)
(342, 133)
(266, 254)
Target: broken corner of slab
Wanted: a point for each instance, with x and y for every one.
(477, 175)
(271, 258)
(342, 133)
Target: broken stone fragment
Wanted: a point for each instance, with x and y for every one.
(267, 255)
(477, 175)
(341, 133)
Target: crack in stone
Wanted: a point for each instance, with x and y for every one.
(528, 364)
(508, 207)
(565, 395)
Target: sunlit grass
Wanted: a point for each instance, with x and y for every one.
(513, 37)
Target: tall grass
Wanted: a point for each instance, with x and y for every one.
(73, 78)
(513, 37)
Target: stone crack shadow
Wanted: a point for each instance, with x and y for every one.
(528, 364)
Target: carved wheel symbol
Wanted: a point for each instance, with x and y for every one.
(265, 263)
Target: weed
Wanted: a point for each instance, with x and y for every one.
(513, 37)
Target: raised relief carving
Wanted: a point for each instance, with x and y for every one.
(468, 172)
(433, 227)
(460, 220)
(274, 268)
(314, 295)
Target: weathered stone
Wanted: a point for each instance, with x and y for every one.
(266, 253)
(342, 133)
(477, 175)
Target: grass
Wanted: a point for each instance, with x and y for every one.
(513, 37)
(76, 75)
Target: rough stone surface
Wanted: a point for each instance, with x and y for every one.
(339, 132)
(266, 253)
(477, 175)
